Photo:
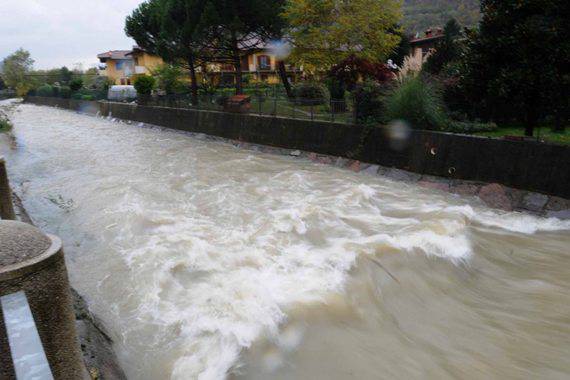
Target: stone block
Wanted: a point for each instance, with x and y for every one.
(495, 195)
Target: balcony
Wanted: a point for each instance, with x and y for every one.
(141, 70)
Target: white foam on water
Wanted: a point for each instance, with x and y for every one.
(191, 250)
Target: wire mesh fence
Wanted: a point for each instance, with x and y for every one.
(266, 102)
(340, 111)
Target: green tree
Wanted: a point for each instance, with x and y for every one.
(65, 75)
(402, 50)
(447, 49)
(420, 15)
(227, 26)
(517, 63)
(16, 69)
(168, 77)
(183, 29)
(144, 84)
(273, 26)
(325, 32)
(144, 25)
(76, 84)
(170, 29)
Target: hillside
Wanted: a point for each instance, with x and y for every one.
(422, 14)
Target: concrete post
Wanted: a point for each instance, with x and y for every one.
(33, 262)
(6, 206)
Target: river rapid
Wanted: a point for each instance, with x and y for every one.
(206, 261)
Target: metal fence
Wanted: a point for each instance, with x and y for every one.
(28, 355)
(340, 111)
(267, 102)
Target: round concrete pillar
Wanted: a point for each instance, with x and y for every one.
(33, 262)
(6, 206)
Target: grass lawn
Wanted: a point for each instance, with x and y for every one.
(5, 125)
(286, 108)
(546, 134)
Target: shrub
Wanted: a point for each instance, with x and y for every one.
(467, 127)
(222, 100)
(76, 84)
(169, 78)
(23, 88)
(309, 93)
(83, 94)
(336, 88)
(418, 102)
(45, 90)
(368, 100)
(5, 124)
(101, 86)
(65, 92)
(352, 69)
(144, 84)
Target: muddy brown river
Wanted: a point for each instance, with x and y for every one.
(206, 261)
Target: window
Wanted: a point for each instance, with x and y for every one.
(120, 65)
(264, 62)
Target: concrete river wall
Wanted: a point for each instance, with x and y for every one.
(527, 165)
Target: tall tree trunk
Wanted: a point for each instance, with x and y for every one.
(194, 83)
(558, 125)
(237, 64)
(561, 112)
(530, 122)
(283, 75)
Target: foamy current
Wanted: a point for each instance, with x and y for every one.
(206, 261)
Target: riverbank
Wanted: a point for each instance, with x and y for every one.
(494, 195)
(96, 345)
(525, 165)
(205, 259)
(434, 146)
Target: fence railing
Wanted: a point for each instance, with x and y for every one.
(266, 102)
(341, 111)
(28, 355)
(42, 345)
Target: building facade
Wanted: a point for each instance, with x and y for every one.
(144, 63)
(260, 65)
(118, 66)
(122, 67)
(423, 45)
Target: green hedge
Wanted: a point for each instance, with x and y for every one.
(45, 90)
(467, 127)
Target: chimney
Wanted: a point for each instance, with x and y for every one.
(429, 32)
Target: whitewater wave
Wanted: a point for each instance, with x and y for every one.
(195, 250)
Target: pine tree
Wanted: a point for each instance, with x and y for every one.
(171, 29)
(517, 62)
(446, 50)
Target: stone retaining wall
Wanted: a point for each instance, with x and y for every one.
(526, 165)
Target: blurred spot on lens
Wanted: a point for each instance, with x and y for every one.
(398, 134)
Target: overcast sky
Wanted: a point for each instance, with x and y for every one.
(64, 32)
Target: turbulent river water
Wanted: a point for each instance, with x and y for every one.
(206, 261)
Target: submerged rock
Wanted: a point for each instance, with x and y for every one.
(535, 201)
(495, 195)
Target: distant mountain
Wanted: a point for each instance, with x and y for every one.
(422, 14)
